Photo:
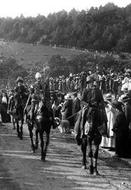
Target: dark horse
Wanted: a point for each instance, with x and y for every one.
(90, 135)
(42, 123)
(17, 112)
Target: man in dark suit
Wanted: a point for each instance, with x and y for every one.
(76, 106)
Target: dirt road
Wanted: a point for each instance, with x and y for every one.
(20, 169)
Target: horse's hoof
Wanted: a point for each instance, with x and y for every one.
(91, 169)
(36, 146)
(84, 167)
(96, 173)
(20, 136)
(33, 149)
(43, 158)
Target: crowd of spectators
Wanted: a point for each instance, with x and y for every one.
(66, 93)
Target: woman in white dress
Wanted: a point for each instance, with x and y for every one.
(111, 115)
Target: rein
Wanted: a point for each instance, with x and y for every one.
(72, 115)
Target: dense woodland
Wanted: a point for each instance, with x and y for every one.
(105, 28)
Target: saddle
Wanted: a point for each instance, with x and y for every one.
(85, 125)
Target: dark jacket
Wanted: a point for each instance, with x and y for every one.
(76, 105)
(120, 126)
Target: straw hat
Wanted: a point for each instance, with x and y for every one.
(19, 79)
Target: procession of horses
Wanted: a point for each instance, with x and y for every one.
(42, 108)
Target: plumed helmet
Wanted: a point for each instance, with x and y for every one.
(31, 89)
(19, 79)
(37, 75)
(108, 96)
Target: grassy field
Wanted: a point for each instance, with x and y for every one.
(28, 54)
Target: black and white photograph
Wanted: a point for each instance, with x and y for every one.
(65, 95)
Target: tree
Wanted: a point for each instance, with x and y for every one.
(58, 65)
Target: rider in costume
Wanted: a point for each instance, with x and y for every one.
(92, 98)
(21, 90)
(36, 94)
(40, 94)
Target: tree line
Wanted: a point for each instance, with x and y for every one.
(105, 28)
(9, 71)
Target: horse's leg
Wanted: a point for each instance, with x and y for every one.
(42, 146)
(14, 125)
(83, 149)
(47, 143)
(97, 142)
(30, 128)
(21, 129)
(96, 149)
(18, 132)
(91, 169)
(36, 139)
(13, 121)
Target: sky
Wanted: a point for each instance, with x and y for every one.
(14, 8)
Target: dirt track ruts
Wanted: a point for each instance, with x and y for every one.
(21, 169)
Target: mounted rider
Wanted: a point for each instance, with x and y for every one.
(21, 89)
(36, 94)
(40, 94)
(91, 99)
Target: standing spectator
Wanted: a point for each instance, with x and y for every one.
(76, 106)
(128, 117)
(103, 84)
(115, 85)
(67, 109)
(4, 105)
(83, 81)
(121, 130)
(111, 116)
(56, 107)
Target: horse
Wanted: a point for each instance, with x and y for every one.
(90, 135)
(17, 107)
(41, 123)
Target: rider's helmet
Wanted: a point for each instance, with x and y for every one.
(37, 76)
(31, 89)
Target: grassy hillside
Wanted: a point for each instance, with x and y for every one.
(28, 54)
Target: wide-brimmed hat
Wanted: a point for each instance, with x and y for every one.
(128, 71)
(108, 97)
(37, 75)
(19, 79)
